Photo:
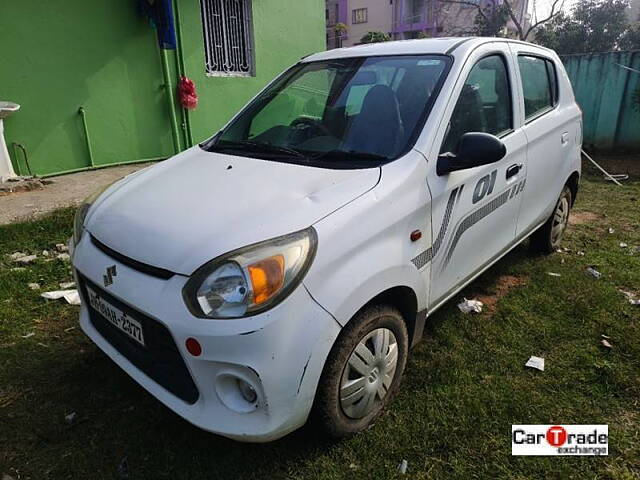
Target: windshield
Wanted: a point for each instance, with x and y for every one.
(341, 113)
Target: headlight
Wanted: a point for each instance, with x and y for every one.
(252, 279)
(78, 221)
(81, 213)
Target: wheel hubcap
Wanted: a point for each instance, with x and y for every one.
(560, 220)
(369, 373)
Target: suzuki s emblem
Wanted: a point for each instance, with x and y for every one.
(108, 278)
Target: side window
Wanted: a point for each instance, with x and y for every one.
(484, 104)
(539, 85)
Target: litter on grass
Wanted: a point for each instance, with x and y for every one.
(71, 296)
(65, 257)
(470, 306)
(34, 286)
(553, 274)
(402, 468)
(605, 343)
(20, 257)
(61, 247)
(611, 230)
(535, 362)
(593, 272)
(67, 285)
(70, 418)
(631, 297)
(623, 245)
(28, 335)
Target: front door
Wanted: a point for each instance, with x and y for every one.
(474, 211)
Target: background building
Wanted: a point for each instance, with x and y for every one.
(406, 19)
(97, 64)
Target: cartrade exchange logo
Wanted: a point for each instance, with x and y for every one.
(559, 440)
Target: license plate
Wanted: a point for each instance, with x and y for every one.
(119, 319)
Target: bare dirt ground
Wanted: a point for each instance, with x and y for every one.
(66, 190)
(580, 218)
(498, 290)
(621, 163)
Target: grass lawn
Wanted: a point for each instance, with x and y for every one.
(464, 386)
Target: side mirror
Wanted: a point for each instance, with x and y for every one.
(474, 149)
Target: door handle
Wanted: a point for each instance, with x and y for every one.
(564, 139)
(513, 170)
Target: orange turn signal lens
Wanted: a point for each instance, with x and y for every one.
(267, 277)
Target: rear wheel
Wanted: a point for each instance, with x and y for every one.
(363, 371)
(548, 237)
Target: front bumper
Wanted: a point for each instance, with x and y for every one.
(281, 352)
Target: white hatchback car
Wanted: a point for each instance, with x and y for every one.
(285, 266)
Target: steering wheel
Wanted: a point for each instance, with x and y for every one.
(303, 123)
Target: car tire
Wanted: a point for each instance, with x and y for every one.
(548, 237)
(359, 377)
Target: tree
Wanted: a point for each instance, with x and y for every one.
(492, 20)
(525, 33)
(340, 30)
(375, 37)
(630, 38)
(592, 26)
(492, 17)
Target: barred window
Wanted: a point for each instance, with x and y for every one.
(228, 37)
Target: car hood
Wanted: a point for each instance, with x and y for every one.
(198, 205)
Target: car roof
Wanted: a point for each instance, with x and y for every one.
(433, 46)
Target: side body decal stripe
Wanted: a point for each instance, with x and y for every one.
(465, 224)
(425, 257)
(473, 218)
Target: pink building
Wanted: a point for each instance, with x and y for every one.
(404, 19)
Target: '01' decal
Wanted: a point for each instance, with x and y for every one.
(484, 186)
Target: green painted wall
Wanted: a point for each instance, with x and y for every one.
(58, 56)
(284, 31)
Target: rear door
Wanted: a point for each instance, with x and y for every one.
(474, 211)
(550, 131)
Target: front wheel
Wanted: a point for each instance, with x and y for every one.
(363, 371)
(548, 237)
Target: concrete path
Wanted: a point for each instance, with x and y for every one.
(66, 190)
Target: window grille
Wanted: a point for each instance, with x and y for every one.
(228, 37)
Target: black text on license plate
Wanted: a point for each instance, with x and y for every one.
(124, 322)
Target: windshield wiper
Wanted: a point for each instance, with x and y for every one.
(342, 155)
(260, 148)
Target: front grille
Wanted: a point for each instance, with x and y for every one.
(132, 263)
(160, 359)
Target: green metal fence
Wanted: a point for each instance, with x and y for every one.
(605, 90)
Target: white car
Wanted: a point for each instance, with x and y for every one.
(282, 269)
